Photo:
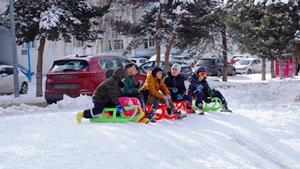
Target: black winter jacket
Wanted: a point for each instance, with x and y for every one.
(175, 82)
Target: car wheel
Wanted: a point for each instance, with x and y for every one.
(249, 71)
(219, 73)
(233, 73)
(24, 88)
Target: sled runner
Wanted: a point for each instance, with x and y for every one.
(132, 112)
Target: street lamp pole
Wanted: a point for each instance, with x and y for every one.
(14, 47)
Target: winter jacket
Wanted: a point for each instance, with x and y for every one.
(110, 89)
(175, 85)
(154, 85)
(201, 86)
(130, 85)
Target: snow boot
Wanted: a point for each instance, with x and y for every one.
(225, 109)
(79, 117)
(200, 106)
(179, 114)
(151, 117)
(169, 111)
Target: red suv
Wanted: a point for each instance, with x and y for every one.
(76, 75)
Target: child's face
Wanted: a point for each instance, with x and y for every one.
(200, 78)
(132, 71)
(175, 71)
(159, 75)
(201, 75)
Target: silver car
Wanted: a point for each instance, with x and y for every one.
(7, 81)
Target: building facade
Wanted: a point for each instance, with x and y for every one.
(111, 43)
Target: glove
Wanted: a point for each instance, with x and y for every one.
(174, 90)
(179, 97)
(120, 108)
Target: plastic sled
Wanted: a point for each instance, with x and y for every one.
(161, 112)
(132, 112)
(214, 105)
(184, 106)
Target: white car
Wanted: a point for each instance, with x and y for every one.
(249, 65)
(139, 61)
(187, 60)
(7, 81)
(162, 57)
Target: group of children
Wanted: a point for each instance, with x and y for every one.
(154, 90)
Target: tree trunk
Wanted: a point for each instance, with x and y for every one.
(296, 59)
(272, 67)
(171, 42)
(281, 67)
(156, 36)
(263, 73)
(224, 43)
(39, 74)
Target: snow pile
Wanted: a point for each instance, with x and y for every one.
(68, 104)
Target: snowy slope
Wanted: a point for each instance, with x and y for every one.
(263, 132)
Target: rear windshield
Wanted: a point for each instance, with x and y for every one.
(68, 65)
(206, 61)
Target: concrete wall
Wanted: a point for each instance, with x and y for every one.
(5, 47)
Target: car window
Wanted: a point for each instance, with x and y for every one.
(143, 61)
(206, 61)
(110, 63)
(244, 62)
(123, 62)
(8, 71)
(68, 65)
(147, 65)
(258, 61)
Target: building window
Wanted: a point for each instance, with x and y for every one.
(109, 45)
(118, 44)
(146, 43)
(77, 43)
(151, 42)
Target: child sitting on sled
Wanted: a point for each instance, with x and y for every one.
(131, 86)
(175, 83)
(155, 91)
(200, 89)
(105, 95)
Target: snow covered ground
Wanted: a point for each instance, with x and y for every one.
(263, 133)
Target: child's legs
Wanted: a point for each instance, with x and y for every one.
(188, 98)
(199, 97)
(170, 103)
(90, 113)
(154, 102)
(220, 96)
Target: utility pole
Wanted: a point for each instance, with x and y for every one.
(14, 47)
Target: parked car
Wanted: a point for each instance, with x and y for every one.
(250, 65)
(7, 81)
(214, 66)
(185, 59)
(139, 60)
(186, 70)
(162, 57)
(237, 57)
(76, 75)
